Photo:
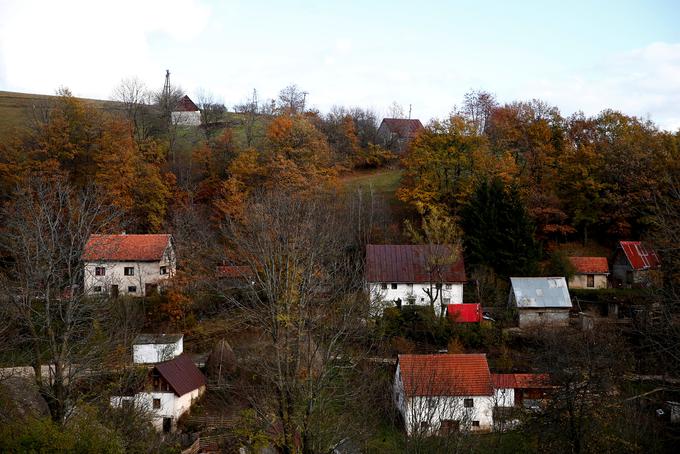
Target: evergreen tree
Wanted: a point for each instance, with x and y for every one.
(499, 232)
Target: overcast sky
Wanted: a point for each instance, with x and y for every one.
(578, 55)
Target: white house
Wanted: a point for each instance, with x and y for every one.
(134, 265)
(399, 275)
(589, 272)
(437, 394)
(156, 348)
(540, 300)
(172, 387)
(186, 113)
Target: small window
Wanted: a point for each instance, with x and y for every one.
(99, 271)
(127, 404)
(394, 286)
(475, 423)
(448, 286)
(591, 280)
(129, 271)
(97, 289)
(424, 424)
(446, 301)
(439, 286)
(164, 270)
(132, 289)
(410, 285)
(468, 403)
(383, 286)
(156, 404)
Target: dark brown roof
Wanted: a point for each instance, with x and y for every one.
(404, 127)
(181, 374)
(126, 248)
(412, 263)
(445, 375)
(186, 105)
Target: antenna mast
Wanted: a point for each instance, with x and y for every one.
(409, 111)
(165, 97)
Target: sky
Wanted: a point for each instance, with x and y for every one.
(577, 55)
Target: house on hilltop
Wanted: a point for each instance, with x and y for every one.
(396, 133)
(635, 264)
(402, 274)
(186, 113)
(134, 265)
(540, 300)
(439, 394)
(589, 272)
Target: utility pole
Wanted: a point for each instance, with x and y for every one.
(304, 100)
(409, 111)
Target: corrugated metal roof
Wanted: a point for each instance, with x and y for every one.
(157, 339)
(445, 375)
(503, 381)
(126, 248)
(464, 313)
(521, 381)
(186, 105)
(181, 374)
(590, 265)
(411, 264)
(533, 292)
(639, 255)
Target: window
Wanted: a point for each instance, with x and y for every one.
(132, 289)
(394, 286)
(127, 404)
(439, 286)
(99, 271)
(383, 286)
(448, 286)
(424, 424)
(475, 423)
(97, 289)
(156, 404)
(164, 270)
(446, 301)
(129, 271)
(468, 403)
(410, 286)
(591, 280)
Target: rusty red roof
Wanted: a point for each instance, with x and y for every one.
(445, 375)
(412, 264)
(639, 255)
(235, 271)
(126, 248)
(521, 381)
(185, 104)
(181, 374)
(404, 127)
(590, 265)
(464, 313)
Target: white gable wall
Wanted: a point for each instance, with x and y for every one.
(186, 118)
(156, 353)
(385, 297)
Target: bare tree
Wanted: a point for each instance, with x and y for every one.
(135, 97)
(477, 107)
(396, 110)
(212, 111)
(250, 110)
(291, 100)
(63, 332)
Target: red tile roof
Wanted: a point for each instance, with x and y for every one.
(186, 105)
(234, 271)
(464, 313)
(590, 265)
(411, 264)
(445, 375)
(126, 248)
(181, 374)
(521, 381)
(404, 127)
(639, 255)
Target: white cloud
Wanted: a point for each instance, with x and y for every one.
(643, 82)
(89, 46)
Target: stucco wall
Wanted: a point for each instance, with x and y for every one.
(144, 273)
(581, 281)
(186, 118)
(382, 298)
(155, 353)
(551, 316)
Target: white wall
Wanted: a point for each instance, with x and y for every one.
(156, 353)
(144, 273)
(581, 281)
(186, 118)
(504, 397)
(382, 298)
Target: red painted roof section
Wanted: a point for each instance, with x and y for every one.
(445, 375)
(181, 374)
(186, 105)
(464, 313)
(403, 126)
(411, 264)
(521, 381)
(639, 255)
(126, 248)
(590, 265)
(234, 271)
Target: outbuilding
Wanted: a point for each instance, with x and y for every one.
(540, 300)
(589, 272)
